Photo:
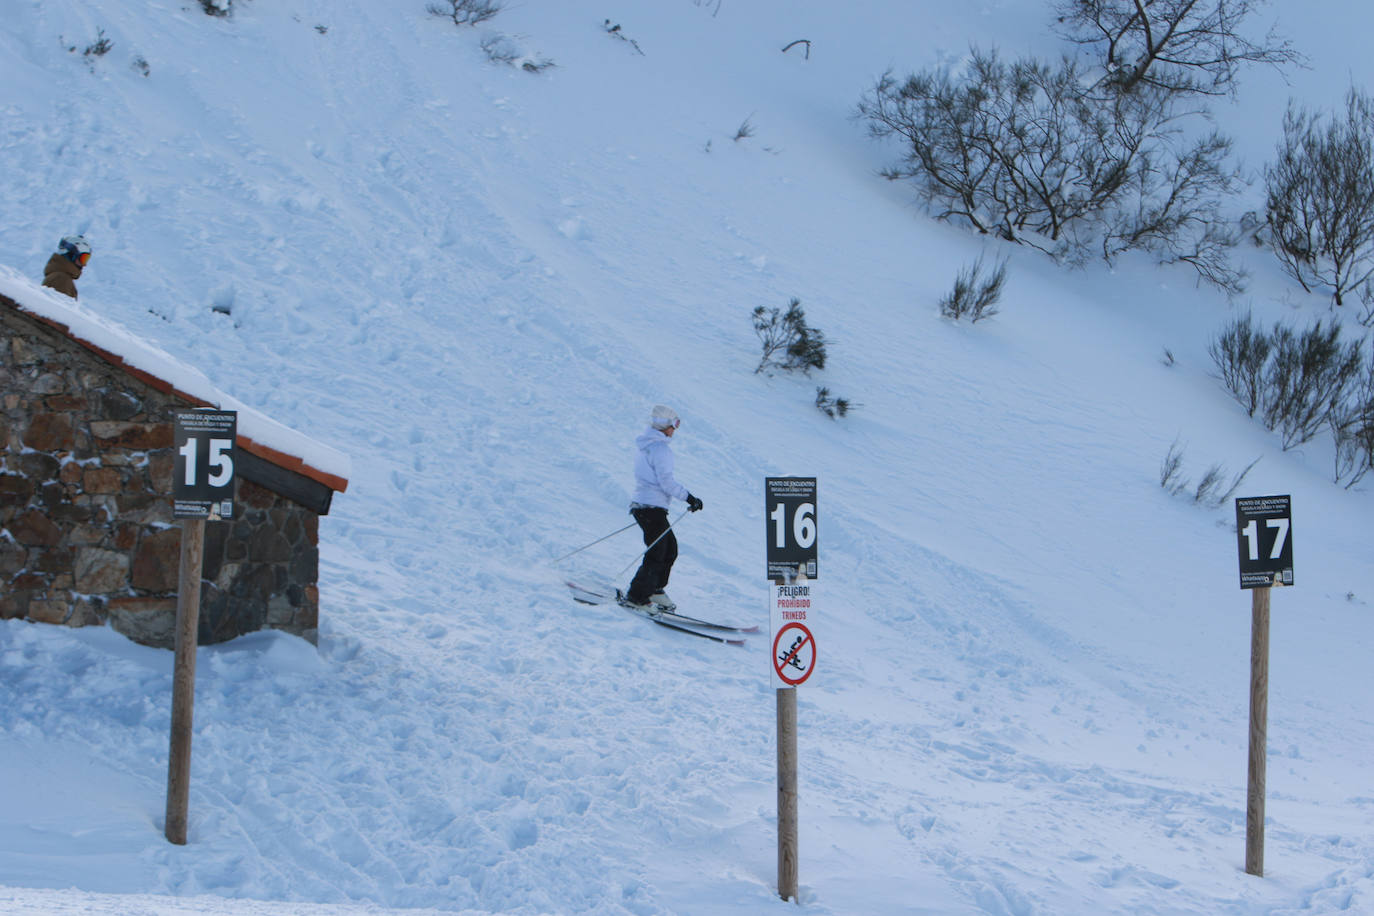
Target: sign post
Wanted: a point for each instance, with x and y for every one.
(1265, 547)
(792, 567)
(202, 489)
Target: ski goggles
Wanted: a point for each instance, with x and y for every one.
(83, 258)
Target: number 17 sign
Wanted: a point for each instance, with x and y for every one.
(1264, 533)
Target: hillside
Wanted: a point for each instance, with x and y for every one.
(475, 281)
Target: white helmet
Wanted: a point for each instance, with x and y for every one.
(76, 248)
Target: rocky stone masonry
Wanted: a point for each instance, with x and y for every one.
(86, 528)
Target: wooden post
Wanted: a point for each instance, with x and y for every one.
(184, 678)
(787, 793)
(1259, 718)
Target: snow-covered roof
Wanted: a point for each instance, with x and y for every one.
(257, 433)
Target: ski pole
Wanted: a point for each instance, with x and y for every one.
(595, 542)
(651, 546)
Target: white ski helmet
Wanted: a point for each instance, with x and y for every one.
(76, 248)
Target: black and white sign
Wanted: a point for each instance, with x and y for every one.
(793, 535)
(203, 478)
(1264, 539)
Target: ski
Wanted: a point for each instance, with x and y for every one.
(658, 619)
(593, 596)
(670, 619)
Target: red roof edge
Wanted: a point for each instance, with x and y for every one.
(292, 463)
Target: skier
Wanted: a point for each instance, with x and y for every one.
(72, 254)
(655, 489)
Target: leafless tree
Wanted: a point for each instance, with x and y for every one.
(999, 146)
(1181, 46)
(1024, 151)
(1319, 197)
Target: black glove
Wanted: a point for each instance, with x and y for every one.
(693, 504)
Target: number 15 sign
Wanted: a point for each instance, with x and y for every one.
(203, 478)
(1264, 535)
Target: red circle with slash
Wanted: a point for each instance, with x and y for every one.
(802, 648)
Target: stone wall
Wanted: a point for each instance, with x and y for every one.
(86, 528)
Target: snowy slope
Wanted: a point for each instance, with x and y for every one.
(475, 281)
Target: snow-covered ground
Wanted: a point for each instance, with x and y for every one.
(475, 281)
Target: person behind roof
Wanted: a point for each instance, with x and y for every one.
(64, 267)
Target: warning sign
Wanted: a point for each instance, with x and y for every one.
(794, 654)
(793, 615)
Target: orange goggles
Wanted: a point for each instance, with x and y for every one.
(83, 258)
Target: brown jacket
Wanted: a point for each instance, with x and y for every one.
(60, 273)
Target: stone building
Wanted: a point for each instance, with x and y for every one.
(86, 529)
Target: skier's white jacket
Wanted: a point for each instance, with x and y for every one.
(655, 484)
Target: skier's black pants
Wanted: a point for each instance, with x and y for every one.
(658, 561)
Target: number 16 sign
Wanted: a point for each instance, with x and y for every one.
(793, 548)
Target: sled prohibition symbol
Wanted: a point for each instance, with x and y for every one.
(794, 663)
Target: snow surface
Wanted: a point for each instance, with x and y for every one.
(1032, 688)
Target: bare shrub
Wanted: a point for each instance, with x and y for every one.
(1307, 380)
(1025, 150)
(1319, 197)
(1296, 382)
(464, 12)
(1171, 471)
(1352, 428)
(1240, 353)
(1212, 489)
(973, 295)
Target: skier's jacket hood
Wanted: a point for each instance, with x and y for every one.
(655, 484)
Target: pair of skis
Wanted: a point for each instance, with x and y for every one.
(694, 626)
